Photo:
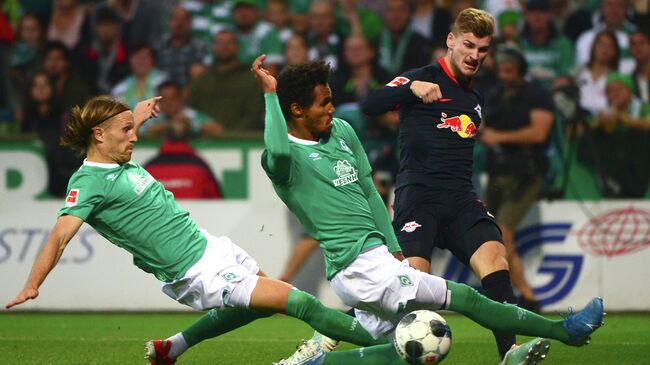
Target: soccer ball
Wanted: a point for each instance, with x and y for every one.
(422, 337)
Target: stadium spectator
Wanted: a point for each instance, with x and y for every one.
(353, 18)
(70, 87)
(226, 92)
(278, 15)
(613, 14)
(591, 78)
(144, 78)
(299, 11)
(324, 43)
(179, 168)
(571, 18)
(67, 23)
(43, 116)
(432, 22)
(209, 17)
(400, 48)
(255, 36)
(549, 54)
(26, 57)
(172, 107)
(618, 144)
(354, 80)
(518, 119)
(640, 52)
(104, 59)
(207, 273)
(296, 50)
(178, 50)
(140, 20)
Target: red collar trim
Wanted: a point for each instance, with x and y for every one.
(443, 64)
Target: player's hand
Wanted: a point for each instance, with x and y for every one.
(267, 81)
(489, 136)
(146, 109)
(398, 255)
(428, 92)
(25, 295)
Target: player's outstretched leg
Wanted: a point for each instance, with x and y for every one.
(573, 330)
(313, 354)
(212, 324)
(529, 353)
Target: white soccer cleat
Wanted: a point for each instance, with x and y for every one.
(529, 353)
(308, 353)
(326, 343)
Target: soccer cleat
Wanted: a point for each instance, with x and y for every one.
(583, 323)
(158, 352)
(529, 353)
(308, 353)
(326, 343)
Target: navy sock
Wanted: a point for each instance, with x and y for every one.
(497, 287)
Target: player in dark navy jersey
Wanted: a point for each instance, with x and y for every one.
(435, 204)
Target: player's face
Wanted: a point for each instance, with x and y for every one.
(318, 115)
(119, 137)
(466, 53)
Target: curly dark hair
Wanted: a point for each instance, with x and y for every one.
(296, 84)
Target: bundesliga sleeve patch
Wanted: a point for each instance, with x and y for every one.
(72, 198)
(398, 81)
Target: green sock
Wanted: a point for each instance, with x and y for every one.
(502, 317)
(217, 322)
(375, 355)
(329, 322)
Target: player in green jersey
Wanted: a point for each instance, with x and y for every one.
(320, 170)
(132, 210)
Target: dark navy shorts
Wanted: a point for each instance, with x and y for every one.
(426, 218)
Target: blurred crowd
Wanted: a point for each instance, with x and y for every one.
(586, 63)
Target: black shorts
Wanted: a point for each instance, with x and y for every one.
(426, 218)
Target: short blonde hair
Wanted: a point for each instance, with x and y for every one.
(96, 111)
(475, 21)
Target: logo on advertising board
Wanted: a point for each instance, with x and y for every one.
(617, 232)
(561, 271)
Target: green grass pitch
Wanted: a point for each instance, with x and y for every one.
(109, 338)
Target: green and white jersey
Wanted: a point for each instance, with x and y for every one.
(128, 207)
(327, 185)
(263, 38)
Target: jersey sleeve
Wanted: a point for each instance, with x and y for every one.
(276, 159)
(84, 194)
(377, 206)
(391, 96)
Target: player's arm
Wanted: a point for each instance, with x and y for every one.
(400, 91)
(278, 156)
(144, 110)
(536, 132)
(64, 229)
(377, 206)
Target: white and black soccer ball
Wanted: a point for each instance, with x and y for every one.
(422, 337)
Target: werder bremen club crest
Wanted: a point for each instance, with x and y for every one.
(346, 173)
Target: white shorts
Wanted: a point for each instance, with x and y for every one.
(383, 289)
(224, 276)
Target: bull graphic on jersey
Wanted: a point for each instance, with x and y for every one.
(461, 124)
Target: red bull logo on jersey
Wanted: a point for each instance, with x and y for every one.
(461, 124)
(410, 226)
(72, 198)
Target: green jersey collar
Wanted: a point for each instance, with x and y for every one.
(305, 142)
